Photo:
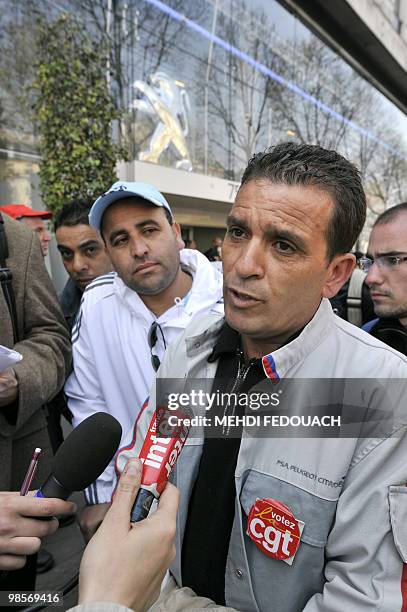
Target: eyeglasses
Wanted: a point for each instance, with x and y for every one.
(384, 262)
(152, 341)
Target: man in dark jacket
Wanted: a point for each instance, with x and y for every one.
(83, 254)
(39, 333)
(386, 267)
(84, 257)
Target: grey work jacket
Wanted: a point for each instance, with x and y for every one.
(349, 491)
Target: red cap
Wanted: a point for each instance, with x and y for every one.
(16, 211)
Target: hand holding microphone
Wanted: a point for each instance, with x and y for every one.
(126, 562)
(108, 570)
(83, 456)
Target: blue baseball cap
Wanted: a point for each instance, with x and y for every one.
(120, 191)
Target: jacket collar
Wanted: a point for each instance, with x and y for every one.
(70, 299)
(278, 363)
(389, 323)
(228, 342)
(391, 332)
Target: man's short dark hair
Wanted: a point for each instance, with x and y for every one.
(301, 164)
(391, 214)
(73, 213)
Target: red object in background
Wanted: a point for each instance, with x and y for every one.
(16, 211)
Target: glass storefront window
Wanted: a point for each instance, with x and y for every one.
(240, 75)
(203, 84)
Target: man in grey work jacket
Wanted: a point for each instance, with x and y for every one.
(276, 523)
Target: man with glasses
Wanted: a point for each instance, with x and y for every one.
(130, 316)
(386, 267)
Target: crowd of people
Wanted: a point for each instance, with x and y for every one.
(281, 296)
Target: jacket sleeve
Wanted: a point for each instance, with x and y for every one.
(45, 345)
(180, 601)
(367, 544)
(85, 397)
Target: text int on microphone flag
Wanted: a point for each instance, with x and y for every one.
(161, 448)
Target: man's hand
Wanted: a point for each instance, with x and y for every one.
(125, 562)
(20, 532)
(91, 518)
(8, 387)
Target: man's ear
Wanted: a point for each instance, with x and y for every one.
(177, 233)
(339, 270)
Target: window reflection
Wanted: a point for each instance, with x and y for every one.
(203, 84)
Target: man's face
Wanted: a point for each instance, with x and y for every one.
(83, 253)
(39, 226)
(388, 285)
(143, 246)
(275, 262)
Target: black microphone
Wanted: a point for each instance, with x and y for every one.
(83, 456)
(81, 459)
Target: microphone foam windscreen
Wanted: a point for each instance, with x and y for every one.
(87, 451)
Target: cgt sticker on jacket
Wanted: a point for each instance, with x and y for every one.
(274, 529)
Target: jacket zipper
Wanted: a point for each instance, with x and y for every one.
(242, 372)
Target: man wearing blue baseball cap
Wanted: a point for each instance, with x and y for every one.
(130, 316)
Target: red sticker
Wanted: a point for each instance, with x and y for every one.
(274, 529)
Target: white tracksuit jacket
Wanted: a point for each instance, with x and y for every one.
(111, 357)
(351, 493)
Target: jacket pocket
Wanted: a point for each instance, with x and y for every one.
(315, 512)
(398, 518)
(272, 579)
